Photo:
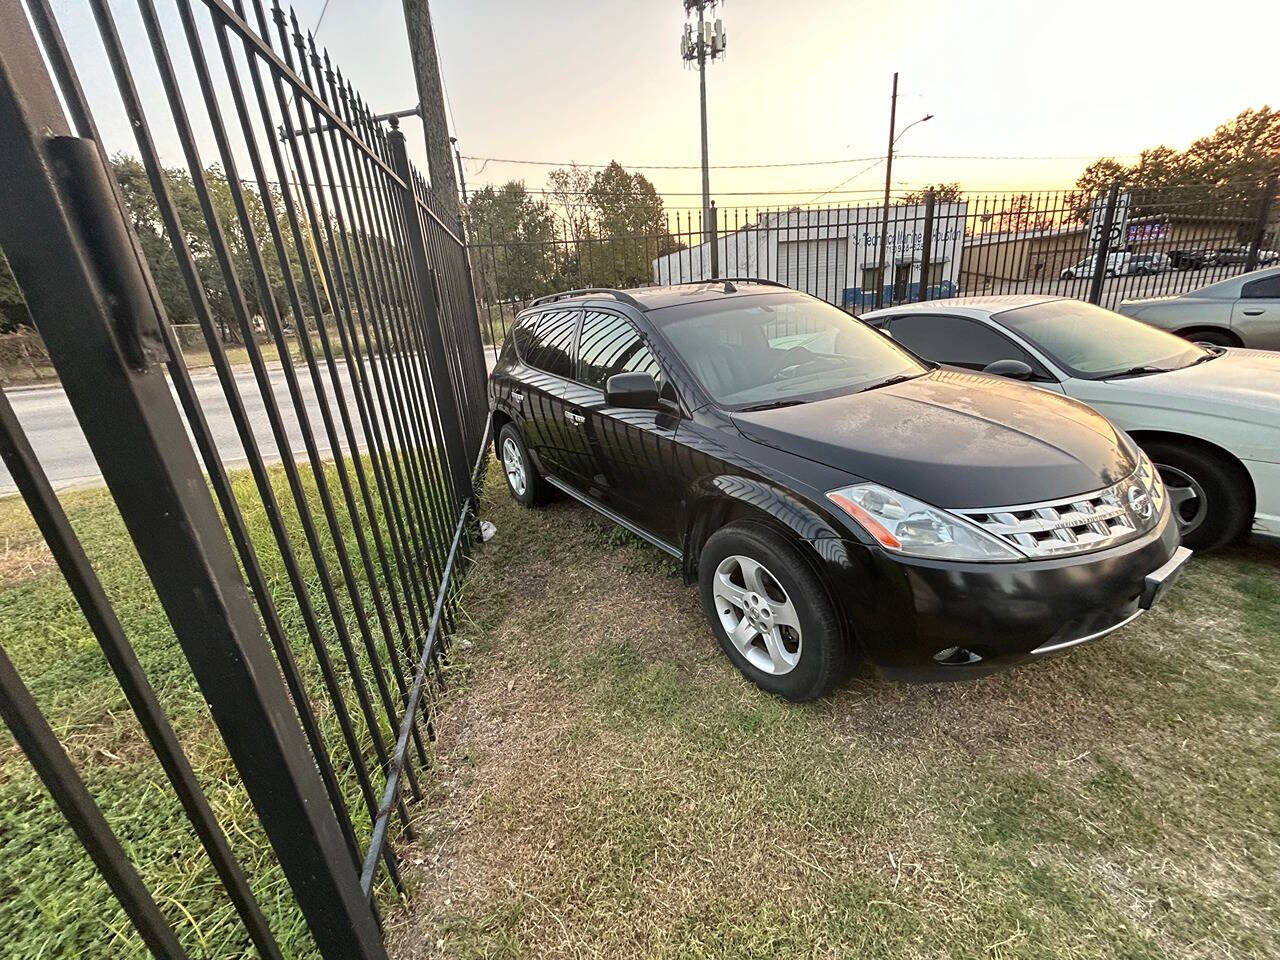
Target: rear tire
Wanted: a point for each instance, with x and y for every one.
(786, 636)
(524, 482)
(1210, 495)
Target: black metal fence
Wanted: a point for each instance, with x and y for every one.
(312, 599)
(1103, 246)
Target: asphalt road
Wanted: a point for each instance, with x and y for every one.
(55, 435)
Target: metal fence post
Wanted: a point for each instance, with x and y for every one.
(1104, 244)
(95, 311)
(926, 245)
(451, 413)
(715, 242)
(1264, 211)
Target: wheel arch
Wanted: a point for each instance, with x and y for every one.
(1189, 331)
(1142, 437)
(717, 501)
(499, 419)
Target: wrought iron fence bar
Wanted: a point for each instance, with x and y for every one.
(402, 742)
(38, 741)
(95, 317)
(276, 328)
(411, 447)
(33, 484)
(322, 262)
(233, 19)
(226, 377)
(373, 272)
(415, 453)
(187, 140)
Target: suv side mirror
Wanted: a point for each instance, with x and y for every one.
(1013, 369)
(636, 390)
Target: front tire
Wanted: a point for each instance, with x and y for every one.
(1210, 496)
(770, 612)
(524, 482)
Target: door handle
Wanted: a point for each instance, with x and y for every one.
(1252, 313)
(576, 419)
(517, 396)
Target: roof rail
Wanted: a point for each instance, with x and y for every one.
(760, 280)
(621, 295)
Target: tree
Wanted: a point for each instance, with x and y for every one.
(1216, 171)
(942, 193)
(515, 235)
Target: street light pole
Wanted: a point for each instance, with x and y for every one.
(884, 210)
(888, 178)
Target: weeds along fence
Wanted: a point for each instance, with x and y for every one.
(220, 710)
(1102, 246)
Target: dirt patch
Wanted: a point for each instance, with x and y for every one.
(23, 560)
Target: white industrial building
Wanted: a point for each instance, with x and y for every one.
(834, 253)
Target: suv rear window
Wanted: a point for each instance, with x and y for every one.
(545, 341)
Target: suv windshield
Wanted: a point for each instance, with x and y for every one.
(780, 348)
(1094, 343)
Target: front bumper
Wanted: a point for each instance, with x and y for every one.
(928, 620)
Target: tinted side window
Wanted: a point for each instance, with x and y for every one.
(549, 345)
(610, 344)
(955, 340)
(1265, 288)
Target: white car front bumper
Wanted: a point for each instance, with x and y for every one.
(1266, 484)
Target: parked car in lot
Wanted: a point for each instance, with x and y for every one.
(1117, 266)
(1240, 254)
(833, 495)
(1208, 417)
(1190, 259)
(1239, 311)
(1143, 264)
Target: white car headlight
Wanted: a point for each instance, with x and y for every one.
(905, 525)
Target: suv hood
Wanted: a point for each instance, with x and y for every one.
(956, 440)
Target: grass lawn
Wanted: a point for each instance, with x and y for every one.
(53, 904)
(608, 786)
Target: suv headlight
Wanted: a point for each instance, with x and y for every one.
(905, 525)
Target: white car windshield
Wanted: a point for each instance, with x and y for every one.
(775, 349)
(1094, 344)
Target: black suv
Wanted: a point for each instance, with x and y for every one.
(834, 495)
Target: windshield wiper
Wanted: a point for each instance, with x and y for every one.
(900, 378)
(1137, 372)
(772, 405)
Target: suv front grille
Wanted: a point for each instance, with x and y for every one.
(1091, 521)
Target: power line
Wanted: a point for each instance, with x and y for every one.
(794, 163)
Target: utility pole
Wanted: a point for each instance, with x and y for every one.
(888, 178)
(706, 44)
(462, 177)
(884, 211)
(426, 70)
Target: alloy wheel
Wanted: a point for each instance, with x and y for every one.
(1186, 498)
(757, 614)
(513, 464)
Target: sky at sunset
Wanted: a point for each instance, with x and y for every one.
(571, 80)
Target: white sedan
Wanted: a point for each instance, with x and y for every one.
(1209, 417)
(1242, 311)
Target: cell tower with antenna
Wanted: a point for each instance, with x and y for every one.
(699, 45)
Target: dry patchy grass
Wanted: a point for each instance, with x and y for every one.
(607, 785)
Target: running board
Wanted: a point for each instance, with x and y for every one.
(610, 515)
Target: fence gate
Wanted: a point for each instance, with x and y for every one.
(300, 511)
